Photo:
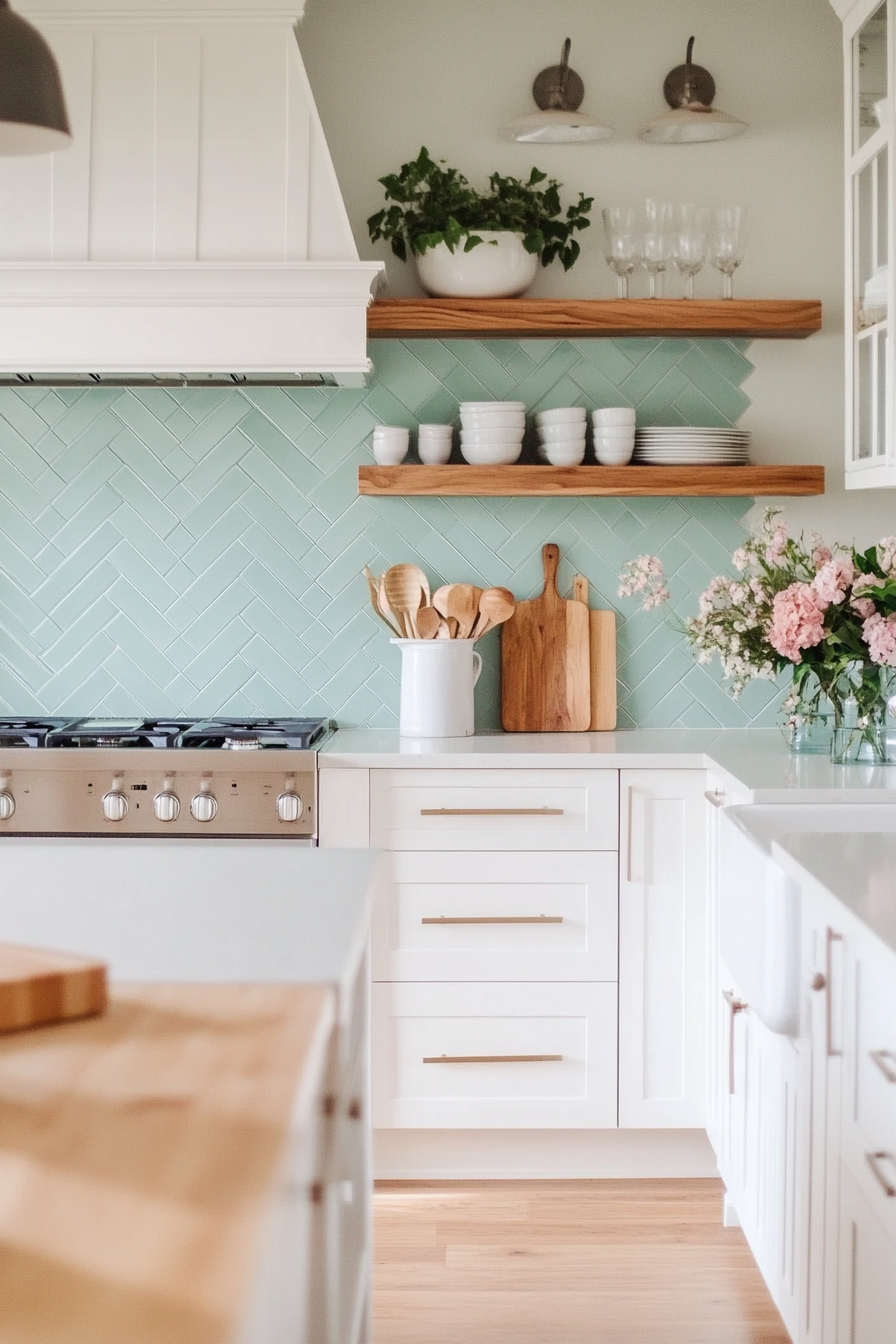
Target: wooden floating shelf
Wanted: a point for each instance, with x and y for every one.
(481, 318)
(569, 481)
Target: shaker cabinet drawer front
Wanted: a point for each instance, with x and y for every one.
(495, 1056)
(498, 917)
(494, 809)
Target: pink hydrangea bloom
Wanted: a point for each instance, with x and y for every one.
(833, 580)
(879, 633)
(797, 621)
(863, 606)
(821, 553)
(886, 555)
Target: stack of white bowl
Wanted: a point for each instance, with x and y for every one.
(561, 436)
(390, 444)
(434, 444)
(492, 432)
(614, 435)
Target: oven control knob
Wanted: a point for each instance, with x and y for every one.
(204, 806)
(166, 806)
(7, 805)
(289, 807)
(115, 806)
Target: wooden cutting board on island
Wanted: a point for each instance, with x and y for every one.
(546, 661)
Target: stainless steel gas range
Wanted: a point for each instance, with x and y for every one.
(249, 779)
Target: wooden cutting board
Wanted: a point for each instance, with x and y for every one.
(546, 661)
(603, 661)
(38, 987)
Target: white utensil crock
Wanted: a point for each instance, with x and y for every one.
(437, 680)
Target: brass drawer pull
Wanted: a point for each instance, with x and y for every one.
(736, 1006)
(491, 811)
(492, 1059)
(886, 1062)
(874, 1160)
(496, 919)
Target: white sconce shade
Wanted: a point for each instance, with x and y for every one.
(689, 90)
(558, 91)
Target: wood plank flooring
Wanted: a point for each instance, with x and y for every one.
(564, 1262)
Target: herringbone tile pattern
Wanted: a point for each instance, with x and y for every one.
(199, 551)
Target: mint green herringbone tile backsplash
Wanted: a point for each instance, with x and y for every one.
(200, 551)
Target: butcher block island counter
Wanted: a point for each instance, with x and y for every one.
(139, 1155)
(194, 1166)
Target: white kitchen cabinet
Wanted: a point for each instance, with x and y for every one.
(870, 115)
(663, 949)
(866, 1286)
(505, 1056)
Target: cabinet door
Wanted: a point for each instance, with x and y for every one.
(500, 1056)
(867, 1291)
(870, 460)
(662, 950)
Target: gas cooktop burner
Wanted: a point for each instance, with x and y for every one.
(254, 734)
(204, 735)
(119, 733)
(28, 732)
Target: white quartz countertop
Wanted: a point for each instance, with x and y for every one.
(758, 761)
(192, 910)
(857, 868)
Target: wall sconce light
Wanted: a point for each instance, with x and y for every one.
(33, 117)
(558, 91)
(689, 91)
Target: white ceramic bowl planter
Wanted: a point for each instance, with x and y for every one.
(499, 268)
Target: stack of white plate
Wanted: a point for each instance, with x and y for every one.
(691, 446)
(492, 432)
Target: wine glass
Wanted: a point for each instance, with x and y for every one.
(620, 245)
(690, 244)
(728, 243)
(656, 244)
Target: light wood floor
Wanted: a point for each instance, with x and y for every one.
(564, 1262)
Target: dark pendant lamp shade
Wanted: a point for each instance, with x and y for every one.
(33, 119)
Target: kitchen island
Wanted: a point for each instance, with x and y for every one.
(194, 1167)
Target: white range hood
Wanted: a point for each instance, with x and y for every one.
(195, 229)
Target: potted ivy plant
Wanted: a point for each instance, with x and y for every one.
(469, 243)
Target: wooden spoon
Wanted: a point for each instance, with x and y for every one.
(496, 605)
(440, 599)
(387, 611)
(407, 589)
(463, 605)
(375, 601)
(428, 622)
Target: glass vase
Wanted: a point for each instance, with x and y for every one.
(864, 741)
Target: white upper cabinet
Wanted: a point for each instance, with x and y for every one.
(868, 84)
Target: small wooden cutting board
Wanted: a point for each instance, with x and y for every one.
(603, 661)
(38, 987)
(546, 661)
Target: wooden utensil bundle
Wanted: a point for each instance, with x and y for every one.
(558, 661)
(402, 600)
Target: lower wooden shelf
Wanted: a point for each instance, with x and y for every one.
(568, 481)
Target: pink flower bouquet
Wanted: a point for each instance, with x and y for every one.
(828, 614)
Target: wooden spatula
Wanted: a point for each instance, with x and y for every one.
(463, 605)
(546, 661)
(407, 589)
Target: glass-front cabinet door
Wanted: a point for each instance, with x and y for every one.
(870, 447)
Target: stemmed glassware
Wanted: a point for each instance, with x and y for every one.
(621, 245)
(656, 244)
(728, 243)
(690, 244)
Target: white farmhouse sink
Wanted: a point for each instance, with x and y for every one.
(759, 906)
